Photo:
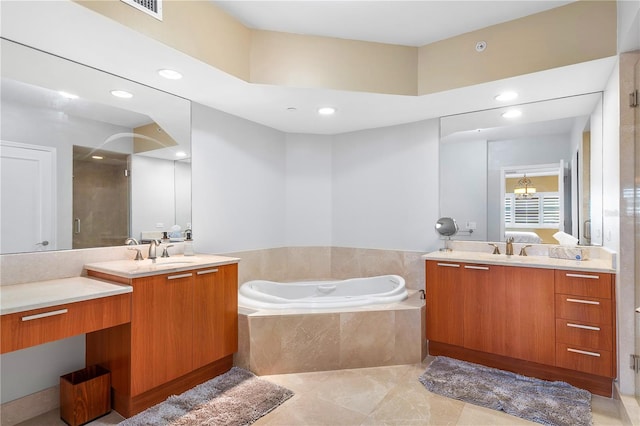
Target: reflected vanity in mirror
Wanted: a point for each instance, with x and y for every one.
(556, 143)
(81, 167)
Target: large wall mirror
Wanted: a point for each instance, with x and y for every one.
(527, 178)
(81, 167)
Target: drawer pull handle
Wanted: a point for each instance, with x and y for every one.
(585, 327)
(208, 271)
(592, 277)
(45, 314)
(480, 268)
(588, 302)
(450, 265)
(176, 277)
(578, 351)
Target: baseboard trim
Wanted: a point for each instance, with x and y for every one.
(27, 407)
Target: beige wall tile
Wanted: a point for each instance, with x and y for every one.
(367, 339)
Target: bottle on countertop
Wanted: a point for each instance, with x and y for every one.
(188, 245)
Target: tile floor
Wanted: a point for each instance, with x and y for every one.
(371, 396)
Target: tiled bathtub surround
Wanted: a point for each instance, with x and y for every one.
(275, 342)
(307, 263)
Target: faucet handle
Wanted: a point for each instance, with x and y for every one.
(138, 253)
(523, 250)
(165, 252)
(496, 250)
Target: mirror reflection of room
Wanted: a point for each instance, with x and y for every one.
(108, 168)
(560, 139)
(534, 207)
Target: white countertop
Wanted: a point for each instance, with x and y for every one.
(145, 268)
(593, 265)
(44, 294)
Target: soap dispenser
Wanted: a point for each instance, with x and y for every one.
(188, 245)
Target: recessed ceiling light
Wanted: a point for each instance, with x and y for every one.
(506, 96)
(326, 110)
(170, 74)
(512, 113)
(292, 109)
(181, 154)
(68, 95)
(121, 94)
(97, 157)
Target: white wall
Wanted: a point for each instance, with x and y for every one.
(385, 187)
(183, 193)
(152, 195)
(546, 149)
(596, 171)
(61, 132)
(33, 369)
(308, 190)
(463, 186)
(239, 183)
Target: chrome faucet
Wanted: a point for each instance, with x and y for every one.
(152, 249)
(131, 242)
(509, 251)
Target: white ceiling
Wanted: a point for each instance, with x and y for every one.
(408, 23)
(67, 29)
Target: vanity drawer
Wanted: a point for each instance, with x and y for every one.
(587, 309)
(589, 284)
(584, 334)
(587, 360)
(24, 329)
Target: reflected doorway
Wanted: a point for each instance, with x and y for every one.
(100, 198)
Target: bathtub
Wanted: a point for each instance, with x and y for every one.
(329, 325)
(260, 294)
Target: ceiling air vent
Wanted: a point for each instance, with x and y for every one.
(151, 7)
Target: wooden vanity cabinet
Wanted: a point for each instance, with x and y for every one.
(552, 324)
(183, 331)
(585, 322)
(162, 330)
(37, 326)
(444, 300)
(215, 313)
(493, 309)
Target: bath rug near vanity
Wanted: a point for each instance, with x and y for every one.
(548, 403)
(237, 397)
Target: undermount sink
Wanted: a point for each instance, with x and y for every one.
(137, 268)
(169, 261)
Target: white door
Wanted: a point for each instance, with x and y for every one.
(27, 198)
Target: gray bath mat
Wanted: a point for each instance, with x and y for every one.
(548, 403)
(237, 397)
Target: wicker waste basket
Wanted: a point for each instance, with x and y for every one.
(85, 395)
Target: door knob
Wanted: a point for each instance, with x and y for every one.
(43, 243)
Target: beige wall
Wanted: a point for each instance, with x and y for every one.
(197, 28)
(546, 40)
(322, 62)
(153, 137)
(551, 39)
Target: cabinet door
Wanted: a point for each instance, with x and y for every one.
(215, 328)
(445, 298)
(161, 329)
(530, 320)
(485, 308)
